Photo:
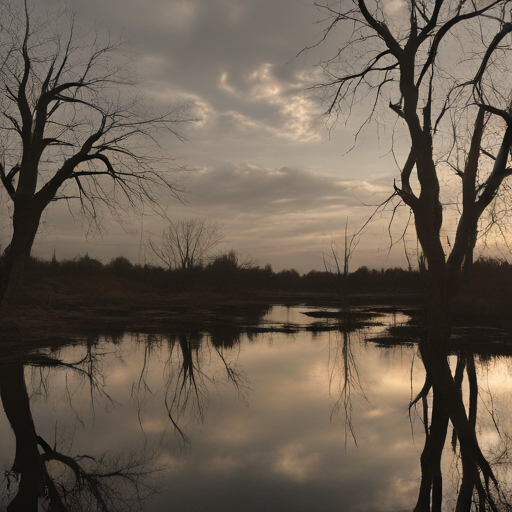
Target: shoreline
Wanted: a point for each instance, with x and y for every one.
(36, 324)
(75, 316)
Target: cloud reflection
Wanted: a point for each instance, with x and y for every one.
(274, 446)
(282, 445)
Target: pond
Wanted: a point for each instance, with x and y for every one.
(297, 414)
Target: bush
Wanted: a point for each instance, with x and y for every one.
(120, 266)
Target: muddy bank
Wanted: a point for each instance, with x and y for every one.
(72, 317)
(64, 319)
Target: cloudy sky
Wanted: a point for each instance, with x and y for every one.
(261, 160)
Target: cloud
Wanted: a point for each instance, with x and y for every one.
(179, 15)
(295, 113)
(234, 55)
(228, 127)
(262, 106)
(287, 216)
(294, 462)
(250, 188)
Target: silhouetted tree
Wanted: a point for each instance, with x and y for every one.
(72, 128)
(404, 56)
(186, 243)
(339, 275)
(120, 266)
(229, 270)
(234, 260)
(398, 56)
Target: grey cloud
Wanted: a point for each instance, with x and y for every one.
(189, 45)
(246, 187)
(260, 104)
(230, 126)
(209, 34)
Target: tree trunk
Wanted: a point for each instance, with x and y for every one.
(468, 260)
(25, 224)
(431, 488)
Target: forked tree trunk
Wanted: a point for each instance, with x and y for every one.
(428, 220)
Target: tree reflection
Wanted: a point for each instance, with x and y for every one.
(49, 479)
(479, 488)
(181, 374)
(344, 372)
(186, 385)
(195, 363)
(449, 397)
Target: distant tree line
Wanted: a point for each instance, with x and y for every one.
(225, 272)
(230, 271)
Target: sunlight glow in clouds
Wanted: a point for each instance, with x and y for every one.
(297, 113)
(294, 461)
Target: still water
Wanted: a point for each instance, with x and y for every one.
(303, 420)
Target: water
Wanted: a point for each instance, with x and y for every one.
(266, 423)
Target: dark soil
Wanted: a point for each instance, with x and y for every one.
(72, 316)
(43, 319)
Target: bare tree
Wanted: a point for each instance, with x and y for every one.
(397, 57)
(186, 243)
(234, 260)
(442, 68)
(73, 128)
(338, 276)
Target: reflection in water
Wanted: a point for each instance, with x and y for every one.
(268, 422)
(186, 386)
(344, 370)
(47, 478)
(479, 487)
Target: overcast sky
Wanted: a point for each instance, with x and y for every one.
(260, 158)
